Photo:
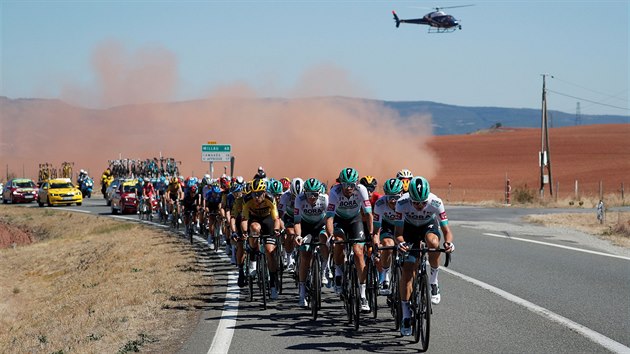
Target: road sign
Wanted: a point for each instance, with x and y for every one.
(216, 152)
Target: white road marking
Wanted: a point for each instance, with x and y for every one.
(559, 246)
(227, 324)
(596, 337)
(71, 209)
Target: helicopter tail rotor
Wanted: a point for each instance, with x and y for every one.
(396, 19)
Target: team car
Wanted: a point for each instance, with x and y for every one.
(59, 191)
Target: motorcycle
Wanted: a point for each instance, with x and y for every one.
(86, 187)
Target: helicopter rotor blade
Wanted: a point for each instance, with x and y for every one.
(452, 7)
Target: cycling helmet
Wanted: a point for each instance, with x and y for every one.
(274, 187)
(348, 175)
(162, 179)
(174, 180)
(259, 185)
(235, 188)
(323, 188)
(405, 182)
(216, 190)
(240, 180)
(247, 188)
(140, 180)
(393, 186)
(419, 189)
(404, 173)
(369, 182)
(312, 185)
(224, 182)
(286, 183)
(296, 186)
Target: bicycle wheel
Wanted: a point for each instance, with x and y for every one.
(279, 265)
(372, 287)
(264, 277)
(346, 289)
(356, 301)
(396, 306)
(422, 312)
(316, 285)
(217, 233)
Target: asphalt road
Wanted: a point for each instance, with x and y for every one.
(511, 288)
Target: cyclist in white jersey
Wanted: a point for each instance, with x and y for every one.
(309, 219)
(423, 218)
(385, 218)
(286, 208)
(343, 218)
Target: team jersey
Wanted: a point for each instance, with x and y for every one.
(308, 213)
(286, 205)
(409, 214)
(173, 188)
(348, 208)
(212, 197)
(383, 213)
(266, 208)
(237, 208)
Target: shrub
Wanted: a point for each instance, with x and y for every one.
(523, 195)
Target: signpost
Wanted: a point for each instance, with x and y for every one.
(213, 152)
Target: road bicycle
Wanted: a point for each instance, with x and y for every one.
(350, 284)
(261, 276)
(420, 300)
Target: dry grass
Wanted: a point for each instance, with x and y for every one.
(616, 226)
(94, 285)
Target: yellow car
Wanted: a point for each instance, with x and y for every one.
(59, 191)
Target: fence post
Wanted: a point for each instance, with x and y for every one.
(508, 191)
(601, 189)
(576, 189)
(622, 201)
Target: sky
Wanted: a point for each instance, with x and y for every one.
(50, 49)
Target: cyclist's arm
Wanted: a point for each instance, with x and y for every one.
(448, 235)
(330, 226)
(398, 232)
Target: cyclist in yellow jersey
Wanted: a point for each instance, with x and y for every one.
(260, 217)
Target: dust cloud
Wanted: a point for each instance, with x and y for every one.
(306, 137)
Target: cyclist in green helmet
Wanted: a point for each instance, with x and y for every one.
(343, 221)
(384, 219)
(423, 218)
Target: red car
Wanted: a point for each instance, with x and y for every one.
(19, 190)
(124, 198)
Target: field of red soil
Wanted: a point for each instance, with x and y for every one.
(477, 165)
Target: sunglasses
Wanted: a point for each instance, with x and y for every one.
(259, 194)
(394, 197)
(312, 194)
(349, 185)
(422, 204)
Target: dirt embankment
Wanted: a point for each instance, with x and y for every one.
(11, 236)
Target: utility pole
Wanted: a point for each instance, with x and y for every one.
(578, 114)
(545, 159)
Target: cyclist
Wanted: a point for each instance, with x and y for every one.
(285, 210)
(423, 218)
(149, 194)
(343, 218)
(384, 219)
(236, 213)
(405, 176)
(105, 180)
(309, 219)
(260, 174)
(212, 206)
(174, 193)
(260, 216)
(189, 202)
(286, 183)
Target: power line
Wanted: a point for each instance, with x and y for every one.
(595, 91)
(590, 101)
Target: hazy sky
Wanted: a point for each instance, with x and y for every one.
(495, 60)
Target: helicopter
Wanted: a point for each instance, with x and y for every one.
(438, 21)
